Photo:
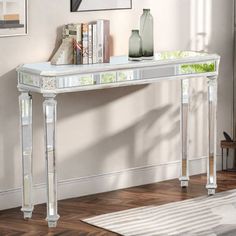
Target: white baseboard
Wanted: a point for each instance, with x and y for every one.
(105, 182)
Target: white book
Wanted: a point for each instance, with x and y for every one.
(90, 44)
(95, 43)
(103, 34)
(100, 41)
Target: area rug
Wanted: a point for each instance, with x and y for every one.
(202, 216)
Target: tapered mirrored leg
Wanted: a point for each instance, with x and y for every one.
(49, 107)
(212, 109)
(184, 120)
(25, 102)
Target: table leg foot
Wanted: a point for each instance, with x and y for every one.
(211, 191)
(184, 184)
(27, 213)
(52, 221)
(52, 224)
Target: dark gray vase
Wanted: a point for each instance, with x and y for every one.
(146, 32)
(135, 46)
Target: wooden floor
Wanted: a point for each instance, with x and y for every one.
(73, 210)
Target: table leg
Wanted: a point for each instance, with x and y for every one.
(184, 120)
(212, 138)
(49, 108)
(25, 102)
(227, 157)
(222, 158)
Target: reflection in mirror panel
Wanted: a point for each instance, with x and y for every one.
(31, 80)
(151, 73)
(86, 80)
(125, 75)
(108, 77)
(135, 74)
(198, 68)
(75, 81)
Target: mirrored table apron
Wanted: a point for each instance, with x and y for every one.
(50, 80)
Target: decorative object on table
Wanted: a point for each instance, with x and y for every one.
(135, 46)
(70, 50)
(146, 32)
(64, 55)
(13, 17)
(227, 137)
(199, 216)
(227, 144)
(91, 5)
(84, 43)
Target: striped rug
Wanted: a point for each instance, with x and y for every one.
(203, 216)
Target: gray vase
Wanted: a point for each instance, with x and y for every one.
(146, 32)
(135, 46)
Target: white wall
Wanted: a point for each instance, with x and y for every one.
(120, 137)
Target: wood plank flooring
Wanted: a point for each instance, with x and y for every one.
(72, 210)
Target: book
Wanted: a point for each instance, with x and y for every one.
(103, 35)
(78, 44)
(94, 43)
(90, 43)
(85, 58)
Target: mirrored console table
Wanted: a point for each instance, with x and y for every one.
(50, 80)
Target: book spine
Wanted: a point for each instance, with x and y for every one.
(106, 41)
(100, 40)
(79, 45)
(72, 36)
(90, 43)
(94, 43)
(85, 44)
(74, 51)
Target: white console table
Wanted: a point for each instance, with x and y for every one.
(50, 80)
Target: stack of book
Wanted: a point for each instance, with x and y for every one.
(89, 41)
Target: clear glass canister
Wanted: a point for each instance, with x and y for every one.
(146, 32)
(135, 46)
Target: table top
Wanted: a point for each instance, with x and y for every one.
(46, 78)
(118, 63)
